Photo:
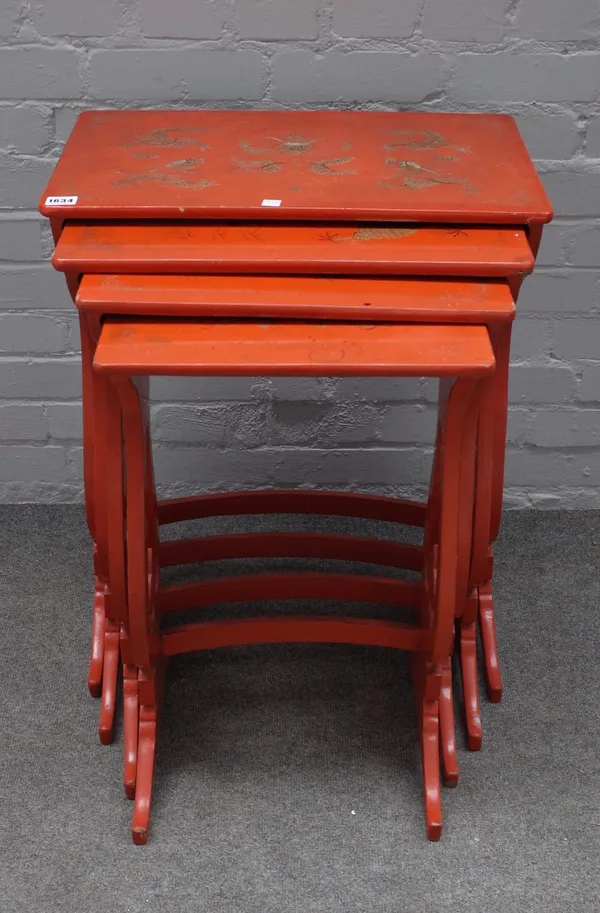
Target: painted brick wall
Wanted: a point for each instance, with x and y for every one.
(536, 59)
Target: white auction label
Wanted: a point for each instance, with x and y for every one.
(274, 203)
(61, 201)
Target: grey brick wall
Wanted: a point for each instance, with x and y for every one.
(536, 59)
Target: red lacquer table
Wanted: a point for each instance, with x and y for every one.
(423, 612)
(260, 214)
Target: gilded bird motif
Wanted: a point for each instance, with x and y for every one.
(292, 144)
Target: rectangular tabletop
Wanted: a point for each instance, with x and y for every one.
(145, 247)
(299, 297)
(319, 165)
(292, 349)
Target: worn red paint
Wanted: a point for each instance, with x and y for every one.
(347, 165)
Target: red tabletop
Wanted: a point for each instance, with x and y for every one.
(292, 349)
(212, 247)
(299, 297)
(321, 165)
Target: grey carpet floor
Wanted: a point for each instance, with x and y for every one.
(288, 778)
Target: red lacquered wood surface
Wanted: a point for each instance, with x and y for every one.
(317, 164)
(96, 665)
(299, 297)
(288, 248)
(311, 629)
(447, 728)
(276, 501)
(130, 728)
(303, 585)
(487, 627)
(292, 349)
(290, 545)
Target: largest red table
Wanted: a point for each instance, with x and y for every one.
(451, 179)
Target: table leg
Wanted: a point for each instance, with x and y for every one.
(467, 639)
(151, 689)
(104, 662)
(487, 628)
(130, 728)
(447, 727)
(96, 666)
(143, 698)
(486, 525)
(465, 605)
(449, 525)
(500, 336)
